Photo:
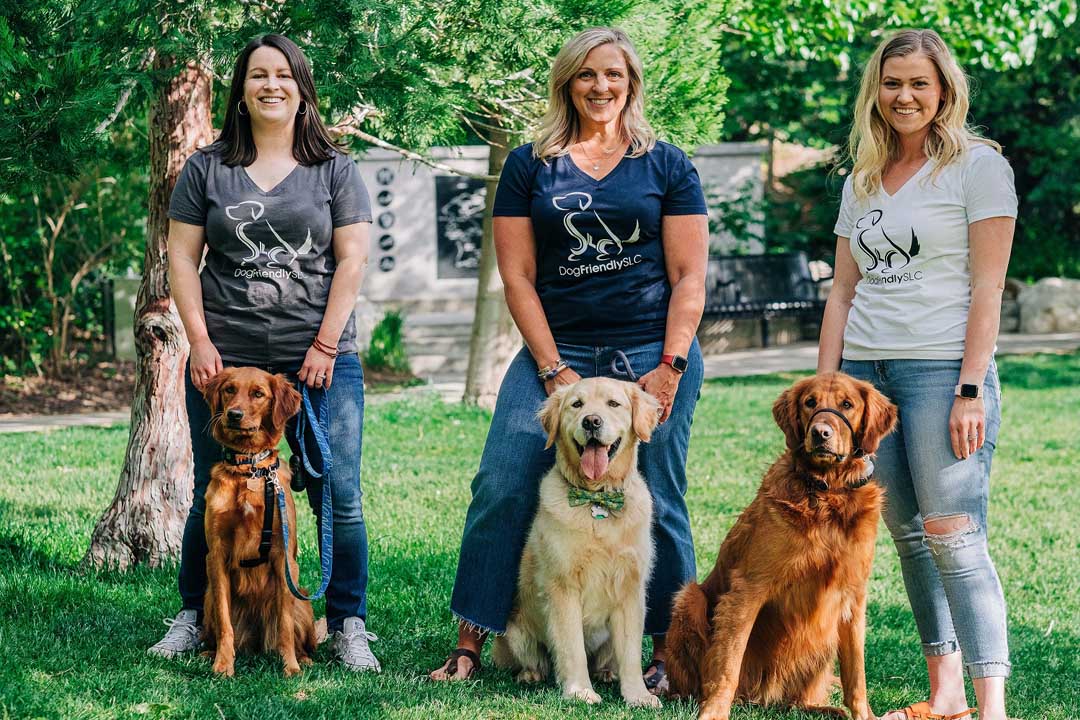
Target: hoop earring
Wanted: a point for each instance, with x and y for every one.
(303, 111)
(240, 106)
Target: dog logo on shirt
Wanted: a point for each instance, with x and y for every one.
(881, 250)
(247, 213)
(578, 203)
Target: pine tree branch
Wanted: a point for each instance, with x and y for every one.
(125, 94)
(348, 127)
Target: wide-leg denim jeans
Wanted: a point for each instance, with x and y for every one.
(505, 489)
(346, 595)
(951, 581)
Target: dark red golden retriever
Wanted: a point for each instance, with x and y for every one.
(788, 592)
(248, 605)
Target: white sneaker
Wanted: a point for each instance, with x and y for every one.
(182, 637)
(350, 646)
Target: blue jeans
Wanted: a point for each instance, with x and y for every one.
(346, 595)
(951, 582)
(504, 491)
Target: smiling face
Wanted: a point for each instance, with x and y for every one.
(270, 90)
(595, 424)
(601, 86)
(910, 93)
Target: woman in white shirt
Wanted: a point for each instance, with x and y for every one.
(923, 241)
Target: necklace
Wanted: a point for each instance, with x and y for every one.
(596, 163)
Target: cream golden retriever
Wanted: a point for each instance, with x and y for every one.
(581, 588)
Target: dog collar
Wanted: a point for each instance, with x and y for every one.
(602, 501)
(817, 485)
(234, 458)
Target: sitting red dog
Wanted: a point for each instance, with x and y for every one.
(788, 593)
(248, 605)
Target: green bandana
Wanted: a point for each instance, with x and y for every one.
(601, 500)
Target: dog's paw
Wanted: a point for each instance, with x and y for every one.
(645, 699)
(292, 669)
(605, 675)
(224, 667)
(584, 694)
(304, 660)
(528, 677)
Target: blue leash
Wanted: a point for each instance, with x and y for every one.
(620, 372)
(320, 428)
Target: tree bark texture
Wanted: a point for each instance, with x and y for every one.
(495, 339)
(145, 522)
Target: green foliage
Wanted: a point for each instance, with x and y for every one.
(386, 351)
(75, 642)
(59, 239)
(1034, 112)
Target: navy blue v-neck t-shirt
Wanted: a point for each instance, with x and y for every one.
(600, 270)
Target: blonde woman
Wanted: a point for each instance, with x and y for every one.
(601, 237)
(923, 241)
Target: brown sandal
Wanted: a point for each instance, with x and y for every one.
(452, 662)
(922, 711)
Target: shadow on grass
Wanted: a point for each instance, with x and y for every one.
(1040, 372)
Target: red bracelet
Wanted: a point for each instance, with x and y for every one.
(325, 349)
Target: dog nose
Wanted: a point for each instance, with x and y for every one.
(592, 422)
(821, 433)
(235, 415)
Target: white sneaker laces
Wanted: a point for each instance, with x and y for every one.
(182, 635)
(355, 650)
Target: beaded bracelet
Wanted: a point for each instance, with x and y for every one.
(549, 372)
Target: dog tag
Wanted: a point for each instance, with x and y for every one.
(599, 512)
(253, 483)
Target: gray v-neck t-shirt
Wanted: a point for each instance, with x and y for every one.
(269, 259)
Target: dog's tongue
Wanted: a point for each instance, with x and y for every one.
(594, 461)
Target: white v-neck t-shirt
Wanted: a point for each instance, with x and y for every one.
(912, 251)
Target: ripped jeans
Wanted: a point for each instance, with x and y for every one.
(951, 582)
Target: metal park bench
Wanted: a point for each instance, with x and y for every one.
(763, 287)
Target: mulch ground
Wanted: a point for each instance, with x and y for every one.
(108, 386)
(92, 388)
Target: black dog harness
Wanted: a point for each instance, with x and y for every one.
(269, 478)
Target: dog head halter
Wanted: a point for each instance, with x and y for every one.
(857, 451)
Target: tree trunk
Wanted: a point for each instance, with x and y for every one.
(495, 339)
(145, 522)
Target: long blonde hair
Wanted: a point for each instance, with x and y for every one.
(560, 125)
(873, 143)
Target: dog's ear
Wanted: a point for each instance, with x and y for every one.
(550, 412)
(211, 391)
(879, 417)
(286, 400)
(645, 412)
(785, 412)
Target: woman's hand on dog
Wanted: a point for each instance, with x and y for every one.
(662, 383)
(566, 377)
(205, 363)
(967, 426)
(317, 370)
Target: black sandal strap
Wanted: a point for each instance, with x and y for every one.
(451, 668)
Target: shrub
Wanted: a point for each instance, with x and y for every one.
(386, 351)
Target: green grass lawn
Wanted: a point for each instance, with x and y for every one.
(72, 644)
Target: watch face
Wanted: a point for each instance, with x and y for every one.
(679, 363)
(969, 391)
